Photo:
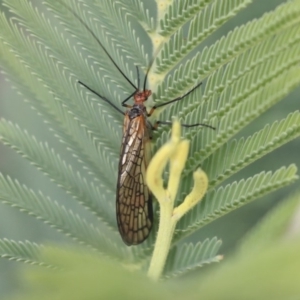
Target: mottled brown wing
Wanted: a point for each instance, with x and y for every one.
(134, 203)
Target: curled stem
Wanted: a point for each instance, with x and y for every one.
(175, 152)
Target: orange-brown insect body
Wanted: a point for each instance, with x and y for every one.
(134, 203)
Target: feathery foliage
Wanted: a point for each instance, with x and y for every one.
(220, 201)
(26, 252)
(45, 50)
(189, 257)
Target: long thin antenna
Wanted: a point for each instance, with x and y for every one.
(102, 97)
(138, 76)
(147, 73)
(96, 38)
(151, 63)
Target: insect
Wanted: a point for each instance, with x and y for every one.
(134, 210)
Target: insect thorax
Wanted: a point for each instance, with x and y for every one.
(136, 111)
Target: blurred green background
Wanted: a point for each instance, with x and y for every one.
(230, 229)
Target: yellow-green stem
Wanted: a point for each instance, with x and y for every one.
(163, 240)
(176, 152)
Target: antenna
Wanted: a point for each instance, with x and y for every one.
(97, 40)
(151, 64)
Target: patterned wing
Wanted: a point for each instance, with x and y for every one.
(134, 203)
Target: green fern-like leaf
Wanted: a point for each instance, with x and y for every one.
(179, 13)
(223, 200)
(46, 50)
(227, 48)
(203, 24)
(51, 164)
(57, 216)
(189, 257)
(26, 252)
(241, 153)
(139, 12)
(241, 115)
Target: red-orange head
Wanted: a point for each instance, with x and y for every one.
(141, 96)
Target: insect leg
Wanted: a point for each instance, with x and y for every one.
(124, 101)
(174, 100)
(157, 123)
